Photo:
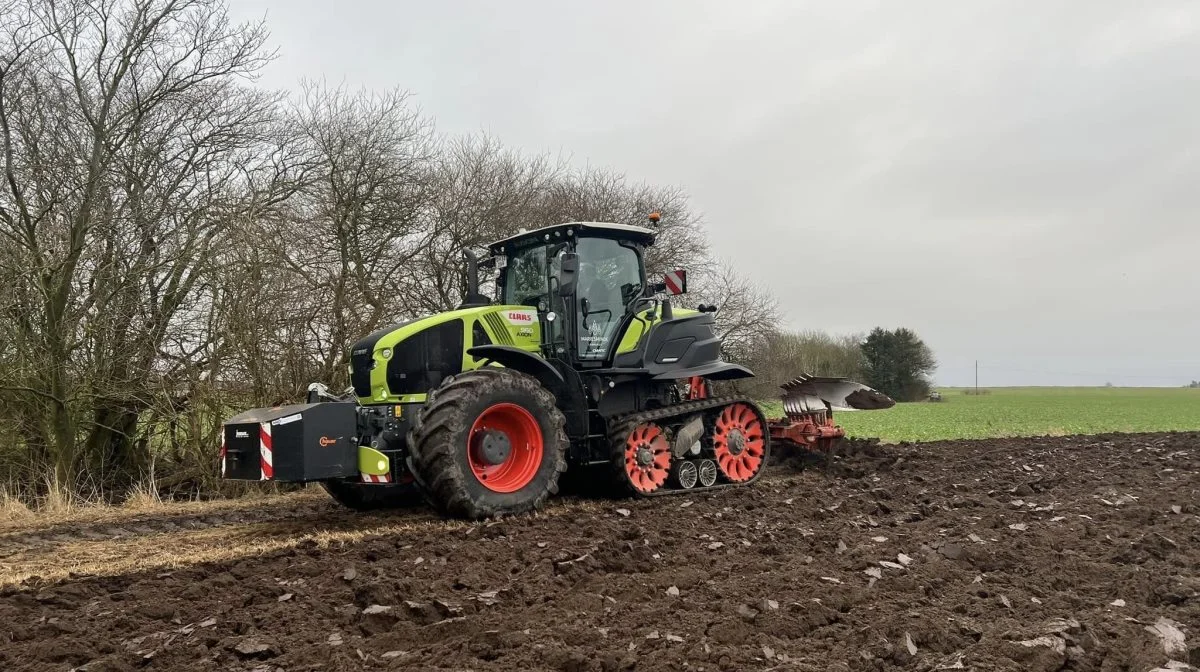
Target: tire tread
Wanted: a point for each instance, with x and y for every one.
(432, 441)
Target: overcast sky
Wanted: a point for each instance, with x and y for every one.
(1017, 182)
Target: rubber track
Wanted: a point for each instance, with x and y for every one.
(432, 440)
(625, 424)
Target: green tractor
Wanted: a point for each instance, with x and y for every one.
(582, 360)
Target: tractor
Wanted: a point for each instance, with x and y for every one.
(580, 361)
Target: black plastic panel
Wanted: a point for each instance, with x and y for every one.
(422, 361)
(362, 358)
(673, 349)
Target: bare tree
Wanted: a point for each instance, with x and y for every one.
(480, 192)
(120, 123)
(330, 264)
(782, 355)
(598, 195)
(746, 312)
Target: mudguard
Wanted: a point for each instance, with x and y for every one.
(682, 347)
(712, 371)
(521, 360)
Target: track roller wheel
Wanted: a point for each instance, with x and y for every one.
(706, 473)
(685, 474)
(642, 456)
(488, 442)
(739, 442)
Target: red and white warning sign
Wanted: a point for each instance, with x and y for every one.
(676, 281)
(266, 457)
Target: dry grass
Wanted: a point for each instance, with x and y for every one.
(59, 500)
(64, 537)
(84, 545)
(143, 497)
(168, 551)
(58, 509)
(14, 511)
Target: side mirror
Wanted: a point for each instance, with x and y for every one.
(675, 282)
(568, 273)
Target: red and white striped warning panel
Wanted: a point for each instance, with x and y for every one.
(224, 450)
(676, 281)
(371, 478)
(266, 460)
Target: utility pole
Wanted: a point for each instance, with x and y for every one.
(977, 377)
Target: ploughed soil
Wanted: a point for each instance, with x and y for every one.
(1075, 553)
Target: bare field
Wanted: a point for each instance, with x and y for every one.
(1078, 553)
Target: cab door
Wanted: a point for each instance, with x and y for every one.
(610, 278)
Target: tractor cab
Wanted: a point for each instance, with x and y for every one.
(587, 281)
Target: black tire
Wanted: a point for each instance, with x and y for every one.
(438, 440)
(373, 497)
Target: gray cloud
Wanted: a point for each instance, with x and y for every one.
(1015, 181)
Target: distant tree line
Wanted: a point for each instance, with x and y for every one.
(177, 243)
(896, 362)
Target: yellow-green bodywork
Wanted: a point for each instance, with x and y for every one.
(373, 462)
(641, 326)
(515, 326)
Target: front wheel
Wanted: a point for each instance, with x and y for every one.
(489, 442)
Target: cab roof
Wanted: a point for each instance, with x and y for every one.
(637, 234)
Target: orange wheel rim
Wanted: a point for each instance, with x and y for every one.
(647, 458)
(739, 443)
(504, 448)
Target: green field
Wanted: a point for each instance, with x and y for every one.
(1028, 411)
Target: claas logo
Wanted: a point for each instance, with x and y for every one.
(520, 317)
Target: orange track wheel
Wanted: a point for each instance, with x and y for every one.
(739, 442)
(647, 458)
(505, 447)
